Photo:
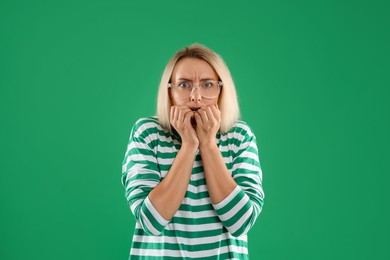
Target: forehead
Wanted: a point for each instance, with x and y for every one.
(193, 68)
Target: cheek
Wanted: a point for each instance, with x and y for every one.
(178, 102)
(174, 102)
(211, 101)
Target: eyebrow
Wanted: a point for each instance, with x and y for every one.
(202, 79)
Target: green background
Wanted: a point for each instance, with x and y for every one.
(313, 83)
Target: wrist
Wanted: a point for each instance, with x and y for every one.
(190, 147)
(206, 146)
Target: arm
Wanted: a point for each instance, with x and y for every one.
(141, 174)
(237, 197)
(169, 194)
(219, 180)
(240, 209)
(152, 202)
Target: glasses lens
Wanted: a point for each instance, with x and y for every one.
(208, 89)
(182, 89)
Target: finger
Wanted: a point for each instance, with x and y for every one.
(183, 111)
(183, 108)
(216, 112)
(172, 113)
(203, 114)
(198, 119)
(188, 116)
(187, 109)
(180, 116)
(176, 114)
(209, 113)
(213, 120)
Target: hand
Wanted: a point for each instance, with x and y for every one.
(208, 122)
(181, 120)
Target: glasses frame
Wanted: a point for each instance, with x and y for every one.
(220, 84)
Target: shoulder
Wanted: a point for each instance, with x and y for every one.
(241, 130)
(241, 138)
(146, 126)
(146, 122)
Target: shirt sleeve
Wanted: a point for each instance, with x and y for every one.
(140, 174)
(240, 209)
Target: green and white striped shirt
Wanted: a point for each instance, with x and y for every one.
(199, 229)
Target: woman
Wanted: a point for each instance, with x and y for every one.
(192, 173)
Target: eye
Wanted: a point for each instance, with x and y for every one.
(183, 84)
(208, 84)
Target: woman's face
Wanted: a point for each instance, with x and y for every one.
(196, 71)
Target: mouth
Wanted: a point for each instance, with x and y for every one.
(194, 109)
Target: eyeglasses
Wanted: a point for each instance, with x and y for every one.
(183, 89)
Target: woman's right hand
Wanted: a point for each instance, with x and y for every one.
(181, 121)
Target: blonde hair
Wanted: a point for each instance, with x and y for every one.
(227, 102)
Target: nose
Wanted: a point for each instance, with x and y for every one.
(195, 95)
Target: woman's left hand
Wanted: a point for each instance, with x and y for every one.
(208, 122)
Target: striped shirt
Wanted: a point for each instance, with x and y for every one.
(199, 229)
